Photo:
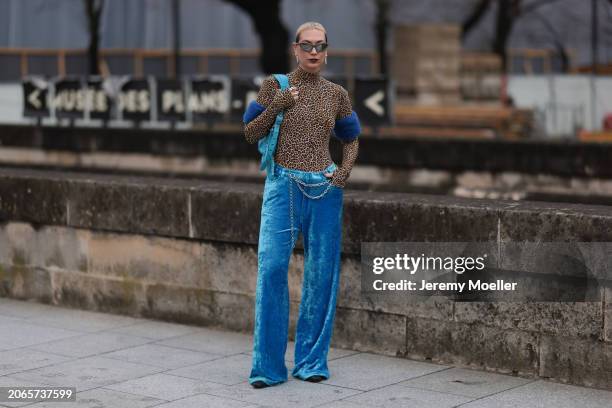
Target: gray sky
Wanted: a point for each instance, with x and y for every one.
(218, 24)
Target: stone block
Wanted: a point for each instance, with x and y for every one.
(350, 296)
(154, 259)
(144, 208)
(229, 268)
(36, 200)
(569, 319)
(85, 291)
(363, 330)
(199, 306)
(229, 215)
(25, 282)
(542, 222)
(576, 361)
(390, 217)
(45, 247)
(607, 306)
(472, 345)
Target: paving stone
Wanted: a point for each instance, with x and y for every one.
(86, 373)
(545, 394)
(333, 354)
(81, 320)
(90, 344)
(6, 381)
(469, 383)
(155, 329)
(164, 386)
(292, 393)
(8, 319)
(22, 334)
(101, 397)
(397, 396)
(208, 401)
(346, 404)
(22, 359)
(137, 375)
(212, 341)
(161, 356)
(367, 371)
(23, 309)
(225, 370)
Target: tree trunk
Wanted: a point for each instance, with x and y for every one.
(382, 24)
(274, 37)
(93, 10)
(475, 17)
(507, 11)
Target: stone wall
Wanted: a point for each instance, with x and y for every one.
(185, 250)
(90, 146)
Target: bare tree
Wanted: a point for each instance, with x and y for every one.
(93, 10)
(381, 30)
(273, 35)
(561, 51)
(508, 12)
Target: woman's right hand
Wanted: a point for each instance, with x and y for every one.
(286, 98)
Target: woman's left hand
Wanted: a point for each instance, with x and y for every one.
(336, 180)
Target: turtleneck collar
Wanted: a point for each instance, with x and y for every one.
(301, 75)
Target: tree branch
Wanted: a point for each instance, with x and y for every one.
(558, 44)
(534, 6)
(273, 35)
(476, 15)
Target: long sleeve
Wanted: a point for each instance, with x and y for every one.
(347, 129)
(349, 155)
(262, 112)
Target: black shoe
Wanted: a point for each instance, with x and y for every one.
(259, 384)
(315, 378)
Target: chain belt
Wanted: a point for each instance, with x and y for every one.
(300, 183)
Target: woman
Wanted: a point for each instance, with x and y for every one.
(303, 192)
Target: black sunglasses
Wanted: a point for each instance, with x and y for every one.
(308, 46)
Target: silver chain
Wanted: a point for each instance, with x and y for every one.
(299, 184)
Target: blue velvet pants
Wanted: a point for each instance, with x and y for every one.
(296, 201)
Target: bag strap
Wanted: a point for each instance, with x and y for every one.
(283, 81)
(267, 161)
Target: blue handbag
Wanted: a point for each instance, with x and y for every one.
(267, 144)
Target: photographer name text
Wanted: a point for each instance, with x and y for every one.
(424, 285)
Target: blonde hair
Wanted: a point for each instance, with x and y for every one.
(308, 25)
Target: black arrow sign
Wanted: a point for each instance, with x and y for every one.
(372, 101)
(35, 98)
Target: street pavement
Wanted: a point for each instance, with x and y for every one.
(120, 361)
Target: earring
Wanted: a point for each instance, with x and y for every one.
(297, 59)
(326, 58)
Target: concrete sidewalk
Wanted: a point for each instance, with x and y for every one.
(119, 361)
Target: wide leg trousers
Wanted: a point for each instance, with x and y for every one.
(296, 201)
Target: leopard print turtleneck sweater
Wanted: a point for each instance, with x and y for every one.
(303, 141)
